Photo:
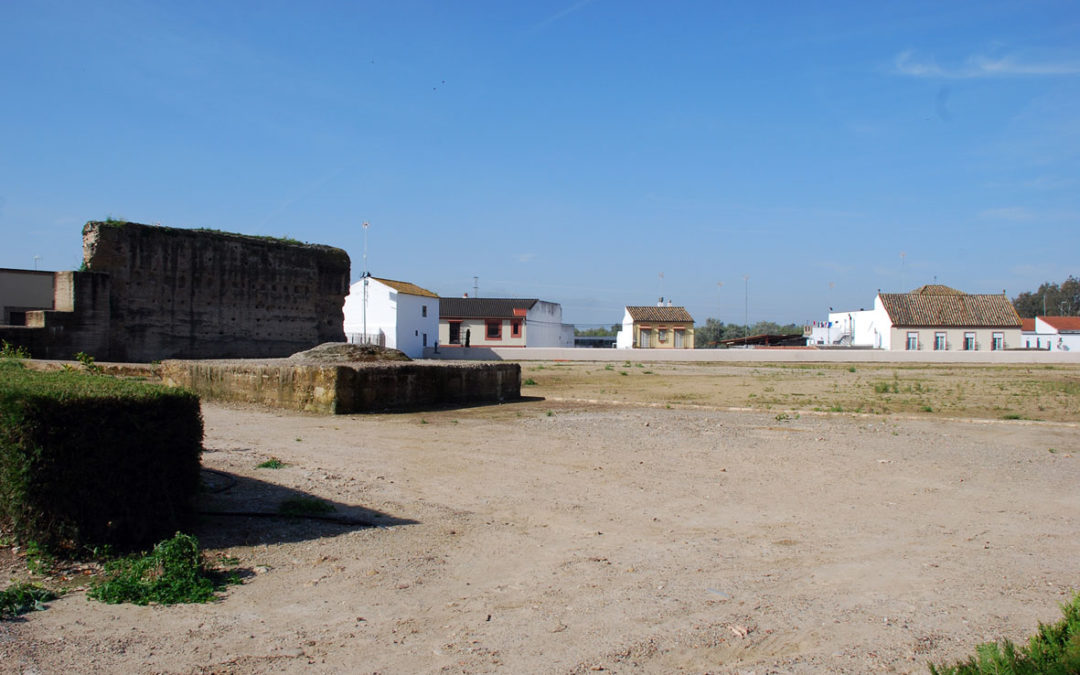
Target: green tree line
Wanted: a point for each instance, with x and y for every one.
(1050, 300)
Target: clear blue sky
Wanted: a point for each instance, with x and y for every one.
(572, 151)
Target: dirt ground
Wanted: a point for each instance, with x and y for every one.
(657, 530)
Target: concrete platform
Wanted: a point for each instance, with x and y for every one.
(342, 388)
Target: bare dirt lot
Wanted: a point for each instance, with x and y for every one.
(656, 530)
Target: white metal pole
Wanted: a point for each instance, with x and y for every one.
(365, 274)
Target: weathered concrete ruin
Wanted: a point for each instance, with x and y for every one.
(152, 293)
(341, 388)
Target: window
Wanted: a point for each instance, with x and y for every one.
(997, 342)
(912, 341)
(455, 333)
(493, 329)
(939, 342)
(425, 339)
(661, 334)
(423, 310)
(645, 338)
(515, 328)
(679, 338)
(969, 342)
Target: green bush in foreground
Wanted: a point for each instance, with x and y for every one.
(88, 460)
(172, 573)
(23, 598)
(1053, 650)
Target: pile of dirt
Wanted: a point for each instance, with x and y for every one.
(344, 351)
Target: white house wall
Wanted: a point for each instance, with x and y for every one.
(543, 326)
(954, 338)
(397, 316)
(624, 339)
(1045, 334)
(867, 327)
(415, 330)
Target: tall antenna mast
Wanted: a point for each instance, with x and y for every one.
(476, 286)
(366, 274)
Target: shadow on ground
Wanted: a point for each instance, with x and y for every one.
(241, 511)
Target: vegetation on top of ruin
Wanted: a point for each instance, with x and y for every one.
(120, 223)
(345, 352)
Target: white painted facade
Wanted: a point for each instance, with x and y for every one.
(544, 326)
(395, 319)
(1051, 338)
(624, 339)
(859, 328)
(874, 328)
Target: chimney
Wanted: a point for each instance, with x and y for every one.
(465, 295)
(669, 302)
(660, 302)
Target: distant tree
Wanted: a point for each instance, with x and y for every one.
(708, 334)
(1051, 299)
(713, 331)
(598, 332)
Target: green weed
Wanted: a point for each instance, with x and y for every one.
(88, 364)
(272, 463)
(304, 506)
(172, 573)
(1054, 648)
(529, 382)
(10, 351)
(22, 598)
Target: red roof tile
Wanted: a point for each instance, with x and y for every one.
(1062, 323)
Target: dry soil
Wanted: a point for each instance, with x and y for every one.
(556, 536)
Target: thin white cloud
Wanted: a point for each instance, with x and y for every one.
(1011, 213)
(562, 14)
(912, 65)
(525, 257)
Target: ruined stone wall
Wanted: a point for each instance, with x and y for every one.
(347, 388)
(203, 294)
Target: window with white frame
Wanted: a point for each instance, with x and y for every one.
(912, 341)
(997, 342)
(969, 342)
(939, 342)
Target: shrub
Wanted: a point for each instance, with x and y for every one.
(1053, 649)
(172, 573)
(272, 463)
(87, 460)
(22, 598)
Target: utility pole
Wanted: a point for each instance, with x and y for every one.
(366, 274)
(476, 286)
(746, 318)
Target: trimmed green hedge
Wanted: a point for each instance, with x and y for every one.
(88, 460)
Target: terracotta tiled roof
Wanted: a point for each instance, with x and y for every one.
(406, 288)
(935, 289)
(654, 313)
(482, 308)
(949, 309)
(1027, 325)
(1062, 323)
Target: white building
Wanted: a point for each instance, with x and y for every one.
(502, 322)
(931, 317)
(399, 315)
(1053, 333)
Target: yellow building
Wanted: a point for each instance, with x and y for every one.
(656, 327)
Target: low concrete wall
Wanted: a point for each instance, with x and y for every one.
(776, 355)
(347, 388)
